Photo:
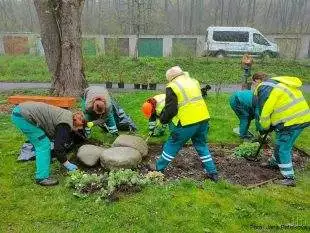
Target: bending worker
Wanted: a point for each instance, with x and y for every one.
(97, 107)
(187, 113)
(241, 103)
(281, 107)
(152, 109)
(42, 123)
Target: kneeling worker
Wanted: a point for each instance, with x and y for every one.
(42, 123)
(152, 109)
(282, 107)
(187, 114)
(97, 107)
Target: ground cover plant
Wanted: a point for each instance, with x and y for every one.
(247, 150)
(99, 69)
(181, 205)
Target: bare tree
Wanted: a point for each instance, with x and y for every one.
(60, 23)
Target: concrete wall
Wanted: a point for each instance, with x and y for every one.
(292, 46)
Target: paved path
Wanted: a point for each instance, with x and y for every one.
(128, 87)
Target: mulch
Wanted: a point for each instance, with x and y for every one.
(235, 170)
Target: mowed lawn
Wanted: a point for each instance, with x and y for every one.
(180, 206)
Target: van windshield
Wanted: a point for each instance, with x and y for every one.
(231, 36)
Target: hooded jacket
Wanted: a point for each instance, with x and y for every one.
(281, 104)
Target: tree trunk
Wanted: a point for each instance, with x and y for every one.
(60, 23)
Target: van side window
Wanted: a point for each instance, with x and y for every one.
(259, 39)
(231, 36)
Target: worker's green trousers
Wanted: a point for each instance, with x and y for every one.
(283, 151)
(39, 140)
(178, 137)
(243, 115)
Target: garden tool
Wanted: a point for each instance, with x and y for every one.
(263, 141)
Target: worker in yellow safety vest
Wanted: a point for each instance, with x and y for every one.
(152, 109)
(282, 107)
(186, 112)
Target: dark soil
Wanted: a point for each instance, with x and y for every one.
(236, 170)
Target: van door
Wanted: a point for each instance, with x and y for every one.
(260, 44)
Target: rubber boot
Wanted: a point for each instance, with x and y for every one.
(214, 177)
(47, 182)
(290, 182)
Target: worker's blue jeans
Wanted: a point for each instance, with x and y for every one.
(243, 117)
(282, 156)
(178, 137)
(39, 140)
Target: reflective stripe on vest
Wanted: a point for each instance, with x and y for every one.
(299, 114)
(186, 100)
(160, 103)
(287, 91)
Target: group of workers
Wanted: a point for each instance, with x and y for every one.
(275, 104)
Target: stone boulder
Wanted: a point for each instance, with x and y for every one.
(89, 154)
(132, 141)
(120, 157)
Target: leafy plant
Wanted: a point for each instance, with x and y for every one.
(118, 178)
(111, 185)
(84, 183)
(246, 150)
(154, 177)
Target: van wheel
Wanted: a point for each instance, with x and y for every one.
(220, 54)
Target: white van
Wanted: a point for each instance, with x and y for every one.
(234, 41)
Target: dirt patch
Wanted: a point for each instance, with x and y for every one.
(236, 170)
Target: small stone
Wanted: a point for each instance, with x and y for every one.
(120, 157)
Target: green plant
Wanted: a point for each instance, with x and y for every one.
(154, 177)
(121, 181)
(246, 150)
(84, 183)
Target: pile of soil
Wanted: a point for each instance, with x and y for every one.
(236, 170)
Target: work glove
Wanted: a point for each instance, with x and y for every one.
(266, 131)
(87, 132)
(70, 166)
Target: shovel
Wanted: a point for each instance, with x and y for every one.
(261, 144)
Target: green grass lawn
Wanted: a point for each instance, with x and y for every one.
(147, 69)
(180, 206)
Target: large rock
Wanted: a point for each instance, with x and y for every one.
(120, 157)
(132, 141)
(89, 154)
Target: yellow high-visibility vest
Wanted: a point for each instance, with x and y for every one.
(160, 103)
(285, 104)
(191, 106)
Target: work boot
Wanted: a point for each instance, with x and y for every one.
(290, 182)
(47, 182)
(214, 177)
(271, 164)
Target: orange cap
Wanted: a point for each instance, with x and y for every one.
(147, 109)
